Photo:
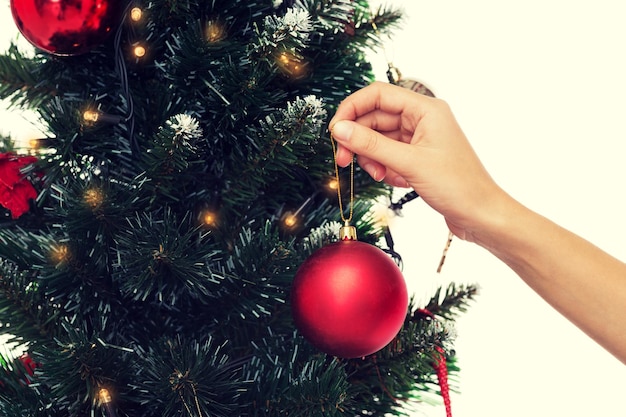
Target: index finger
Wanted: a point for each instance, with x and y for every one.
(378, 96)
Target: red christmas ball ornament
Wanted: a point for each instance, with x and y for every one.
(65, 27)
(349, 299)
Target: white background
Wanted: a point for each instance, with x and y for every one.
(540, 88)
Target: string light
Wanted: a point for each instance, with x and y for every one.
(91, 116)
(292, 66)
(408, 197)
(209, 218)
(332, 184)
(107, 402)
(94, 116)
(60, 254)
(215, 31)
(136, 14)
(35, 144)
(105, 396)
(139, 51)
(93, 197)
(290, 220)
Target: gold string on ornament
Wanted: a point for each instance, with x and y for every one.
(346, 220)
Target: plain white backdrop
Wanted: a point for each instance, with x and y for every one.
(540, 89)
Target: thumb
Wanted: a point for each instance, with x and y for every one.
(369, 143)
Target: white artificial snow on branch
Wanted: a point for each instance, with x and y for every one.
(302, 119)
(185, 127)
(320, 236)
(295, 23)
(310, 107)
(298, 20)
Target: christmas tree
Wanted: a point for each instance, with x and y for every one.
(148, 243)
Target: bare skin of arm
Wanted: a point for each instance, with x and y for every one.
(410, 140)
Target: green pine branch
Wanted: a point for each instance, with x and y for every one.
(19, 81)
(157, 262)
(27, 316)
(449, 302)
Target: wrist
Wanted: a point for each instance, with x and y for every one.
(498, 219)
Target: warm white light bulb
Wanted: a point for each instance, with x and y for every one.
(135, 14)
(105, 396)
(139, 51)
(91, 116)
(290, 220)
(209, 218)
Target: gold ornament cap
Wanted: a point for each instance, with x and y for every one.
(347, 232)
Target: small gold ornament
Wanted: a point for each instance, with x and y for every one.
(395, 77)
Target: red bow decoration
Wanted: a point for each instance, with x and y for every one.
(15, 189)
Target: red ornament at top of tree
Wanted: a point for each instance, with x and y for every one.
(349, 299)
(65, 27)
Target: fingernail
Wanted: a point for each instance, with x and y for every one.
(342, 130)
(399, 182)
(371, 169)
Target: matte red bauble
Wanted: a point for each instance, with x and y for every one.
(65, 27)
(349, 299)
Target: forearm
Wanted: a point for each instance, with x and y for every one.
(412, 140)
(587, 285)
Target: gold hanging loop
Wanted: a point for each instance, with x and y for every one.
(345, 219)
(347, 232)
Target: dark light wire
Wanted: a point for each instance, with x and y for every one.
(122, 72)
(397, 210)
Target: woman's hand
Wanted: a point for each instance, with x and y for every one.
(410, 140)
